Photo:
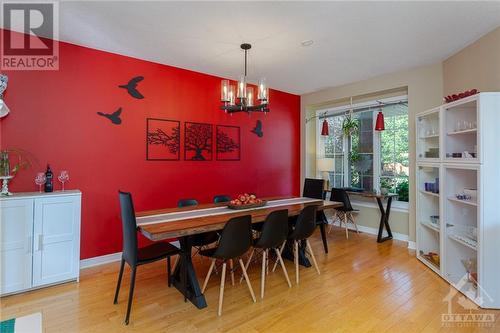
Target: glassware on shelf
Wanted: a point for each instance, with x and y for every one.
(432, 187)
(463, 196)
(471, 232)
(471, 269)
(434, 219)
(40, 179)
(63, 177)
(430, 131)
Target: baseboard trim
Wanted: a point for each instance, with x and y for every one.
(108, 258)
(101, 260)
(373, 205)
(412, 245)
(374, 231)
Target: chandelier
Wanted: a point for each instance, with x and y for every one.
(242, 97)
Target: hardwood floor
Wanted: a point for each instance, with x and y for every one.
(363, 287)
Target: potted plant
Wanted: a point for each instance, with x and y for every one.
(6, 172)
(23, 161)
(349, 125)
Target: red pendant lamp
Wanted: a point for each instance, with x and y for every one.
(324, 128)
(379, 124)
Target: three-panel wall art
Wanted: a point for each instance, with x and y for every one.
(202, 142)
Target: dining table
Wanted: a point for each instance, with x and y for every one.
(182, 222)
(384, 211)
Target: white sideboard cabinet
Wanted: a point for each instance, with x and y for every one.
(39, 240)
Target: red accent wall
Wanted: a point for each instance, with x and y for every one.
(53, 116)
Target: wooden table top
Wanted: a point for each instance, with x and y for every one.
(197, 225)
(367, 194)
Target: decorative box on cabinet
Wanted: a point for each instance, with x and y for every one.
(468, 230)
(39, 240)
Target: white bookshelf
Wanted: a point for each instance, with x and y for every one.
(429, 238)
(428, 135)
(467, 203)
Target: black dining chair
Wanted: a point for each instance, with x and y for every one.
(273, 236)
(187, 202)
(341, 195)
(235, 240)
(222, 198)
(134, 256)
(199, 240)
(314, 188)
(304, 228)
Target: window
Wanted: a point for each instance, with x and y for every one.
(334, 148)
(360, 157)
(394, 155)
(369, 159)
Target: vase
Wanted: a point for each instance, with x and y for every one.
(4, 164)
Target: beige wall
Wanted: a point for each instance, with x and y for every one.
(425, 91)
(476, 66)
(370, 217)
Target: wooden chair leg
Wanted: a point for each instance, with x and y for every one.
(330, 227)
(267, 262)
(263, 274)
(169, 272)
(309, 248)
(247, 280)
(221, 290)
(353, 222)
(176, 262)
(334, 219)
(122, 265)
(296, 260)
(231, 267)
(208, 276)
(248, 263)
(130, 294)
(280, 251)
(346, 226)
(280, 259)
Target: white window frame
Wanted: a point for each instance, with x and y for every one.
(341, 110)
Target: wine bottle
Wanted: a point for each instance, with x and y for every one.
(49, 186)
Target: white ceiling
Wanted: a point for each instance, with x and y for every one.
(352, 40)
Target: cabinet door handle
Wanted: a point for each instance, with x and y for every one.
(39, 242)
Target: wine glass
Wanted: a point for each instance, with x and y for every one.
(63, 177)
(40, 179)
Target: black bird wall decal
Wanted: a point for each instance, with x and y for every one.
(258, 129)
(131, 87)
(113, 117)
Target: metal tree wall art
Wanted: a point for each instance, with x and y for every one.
(228, 143)
(197, 142)
(162, 140)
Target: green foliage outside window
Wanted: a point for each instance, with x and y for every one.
(394, 157)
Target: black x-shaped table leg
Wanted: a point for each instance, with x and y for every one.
(184, 276)
(384, 219)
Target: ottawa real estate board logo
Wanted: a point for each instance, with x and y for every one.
(30, 34)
